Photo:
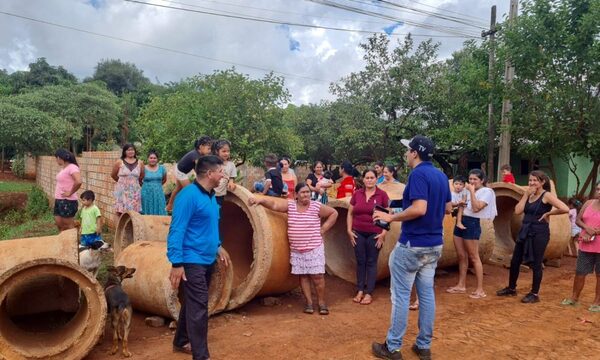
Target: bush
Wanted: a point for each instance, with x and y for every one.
(14, 217)
(18, 166)
(37, 203)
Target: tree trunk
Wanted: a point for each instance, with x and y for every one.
(2, 161)
(591, 178)
(446, 167)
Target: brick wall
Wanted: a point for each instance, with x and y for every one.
(95, 173)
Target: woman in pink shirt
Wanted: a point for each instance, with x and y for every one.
(589, 251)
(68, 181)
(305, 234)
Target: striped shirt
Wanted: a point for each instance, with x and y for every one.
(304, 228)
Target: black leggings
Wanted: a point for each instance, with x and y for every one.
(539, 242)
(366, 261)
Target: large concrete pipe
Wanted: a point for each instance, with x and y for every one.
(54, 330)
(133, 227)
(339, 254)
(255, 237)
(507, 224)
(150, 289)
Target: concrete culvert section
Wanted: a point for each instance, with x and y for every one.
(150, 289)
(133, 227)
(68, 319)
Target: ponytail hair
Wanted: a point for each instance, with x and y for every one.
(542, 177)
(66, 156)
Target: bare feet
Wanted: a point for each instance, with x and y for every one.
(456, 290)
(366, 300)
(358, 298)
(414, 305)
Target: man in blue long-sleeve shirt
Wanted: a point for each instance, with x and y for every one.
(192, 248)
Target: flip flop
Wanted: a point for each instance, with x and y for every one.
(477, 295)
(455, 290)
(308, 309)
(594, 308)
(366, 300)
(569, 302)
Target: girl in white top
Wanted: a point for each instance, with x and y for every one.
(481, 204)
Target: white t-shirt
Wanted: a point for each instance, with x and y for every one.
(488, 196)
(458, 196)
(229, 172)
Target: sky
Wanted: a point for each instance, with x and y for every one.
(172, 44)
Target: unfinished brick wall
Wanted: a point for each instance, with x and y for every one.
(95, 173)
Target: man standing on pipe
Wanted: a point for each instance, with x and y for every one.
(192, 248)
(425, 201)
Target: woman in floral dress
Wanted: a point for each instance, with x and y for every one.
(129, 175)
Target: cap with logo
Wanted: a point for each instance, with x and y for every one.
(422, 145)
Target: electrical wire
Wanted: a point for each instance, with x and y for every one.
(280, 22)
(163, 48)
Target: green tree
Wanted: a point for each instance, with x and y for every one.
(555, 48)
(120, 77)
(225, 104)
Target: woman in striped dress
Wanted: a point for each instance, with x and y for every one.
(305, 234)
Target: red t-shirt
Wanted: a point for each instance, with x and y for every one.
(508, 178)
(346, 187)
(362, 211)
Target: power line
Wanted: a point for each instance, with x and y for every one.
(162, 48)
(433, 27)
(449, 11)
(276, 11)
(279, 22)
(460, 20)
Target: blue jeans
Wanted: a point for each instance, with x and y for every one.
(410, 265)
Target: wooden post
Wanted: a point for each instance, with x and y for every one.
(491, 125)
(509, 73)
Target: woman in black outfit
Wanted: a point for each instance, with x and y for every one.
(537, 204)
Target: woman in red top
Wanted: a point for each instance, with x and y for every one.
(289, 178)
(366, 237)
(347, 184)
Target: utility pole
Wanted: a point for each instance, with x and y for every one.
(491, 126)
(509, 73)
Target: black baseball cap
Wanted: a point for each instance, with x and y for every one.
(423, 145)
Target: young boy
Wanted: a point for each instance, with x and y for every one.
(459, 199)
(507, 175)
(272, 185)
(90, 219)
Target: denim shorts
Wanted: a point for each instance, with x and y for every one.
(65, 208)
(472, 231)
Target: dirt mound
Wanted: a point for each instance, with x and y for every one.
(12, 201)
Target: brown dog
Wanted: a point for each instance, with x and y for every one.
(119, 306)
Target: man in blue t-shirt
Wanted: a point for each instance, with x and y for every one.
(192, 248)
(425, 201)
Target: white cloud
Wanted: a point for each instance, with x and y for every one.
(325, 55)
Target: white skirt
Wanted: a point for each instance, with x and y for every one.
(311, 262)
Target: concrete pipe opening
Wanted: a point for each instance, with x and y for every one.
(150, 289)
(133, 227)
(256, 239)
(49, 309)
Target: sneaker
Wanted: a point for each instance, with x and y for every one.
(381, 351)
(506, 292)
(423, 354)
(530, 298)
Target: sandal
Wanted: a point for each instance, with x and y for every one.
(455, 290)
(308, 309)
(594, 308)
(368, 299)
(414, 306)
(569, 302)
(358, 298)
(475, 295)
(323, 310)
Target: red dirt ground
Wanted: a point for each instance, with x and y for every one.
(490, 328)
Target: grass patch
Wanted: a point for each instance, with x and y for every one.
(42, 226)
(15, 186)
